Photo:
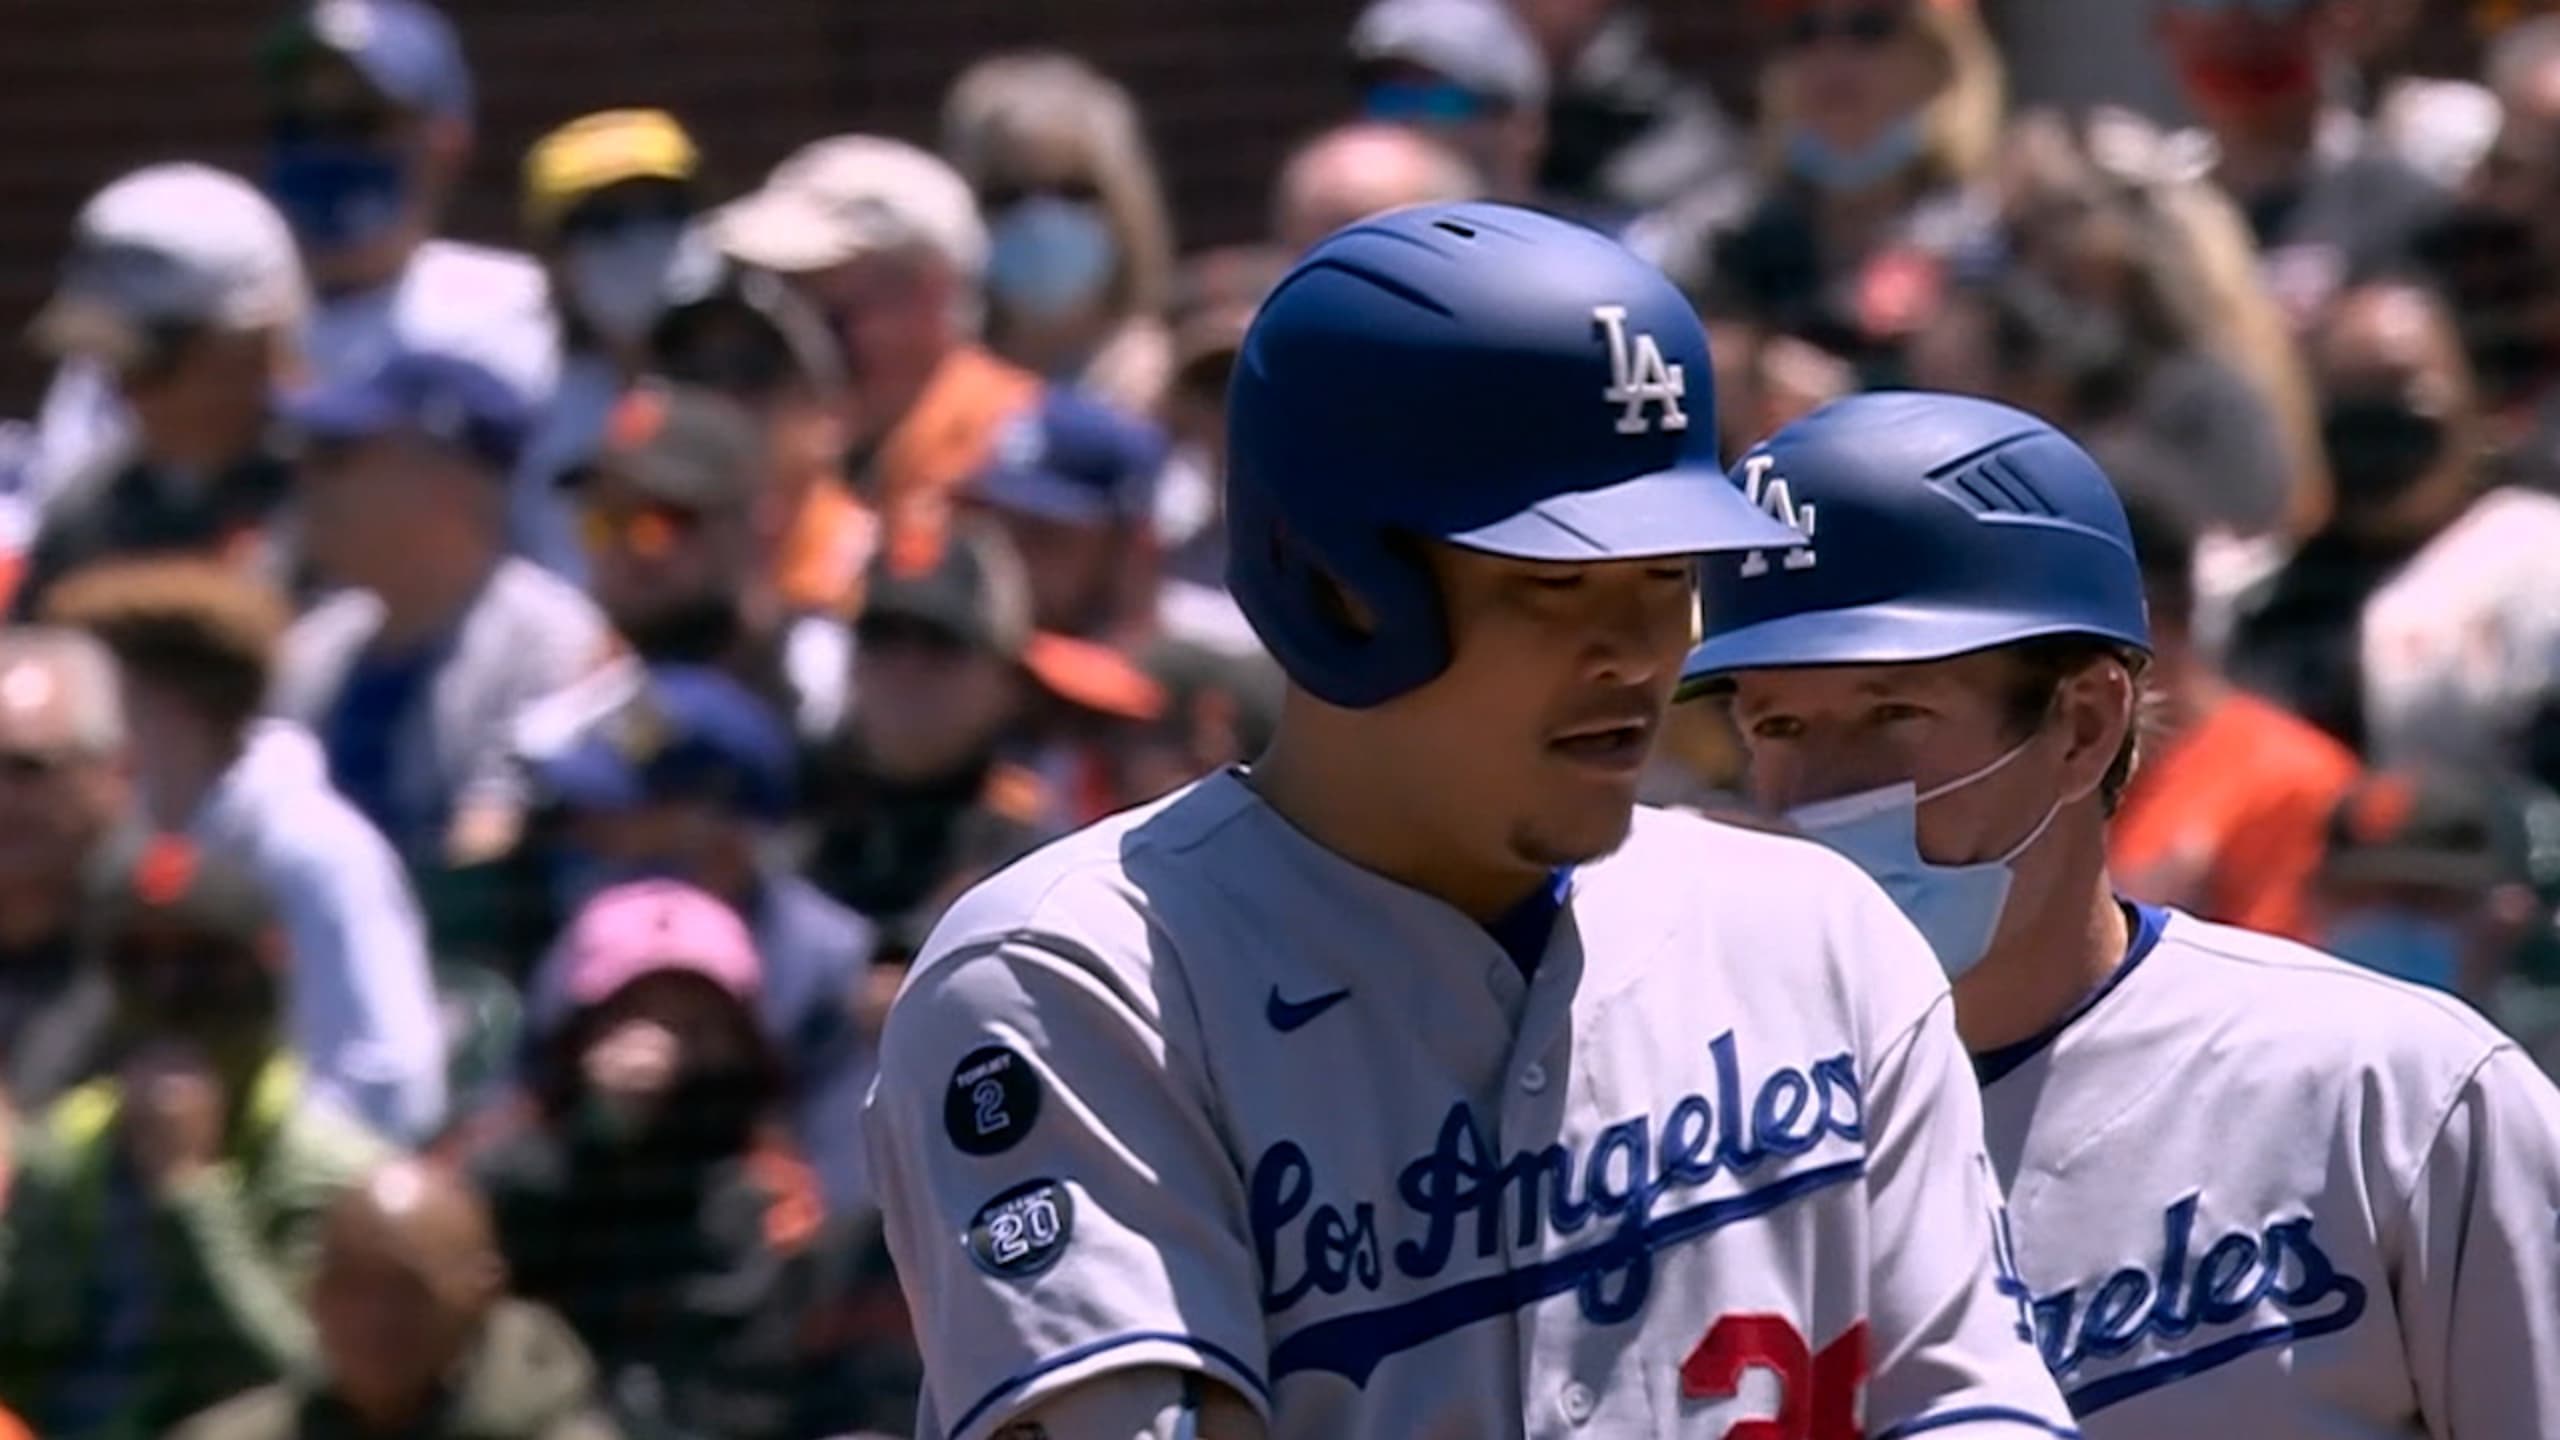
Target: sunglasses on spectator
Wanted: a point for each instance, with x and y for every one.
(648, 530)
(1865, 26)
(1005, 194)
(649, 205)
(883, 633)
(313, 123)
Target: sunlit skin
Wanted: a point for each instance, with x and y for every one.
(1522, 756)
(1847, 88)
(1815, 733)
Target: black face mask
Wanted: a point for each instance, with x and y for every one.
(693, 632)
(2378, 449)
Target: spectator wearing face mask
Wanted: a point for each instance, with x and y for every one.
(648, 1197)
(2227, 815)
(368, 130)
(1365, 168)
(196, 646)
(2421, 625)
(1080, 248)
(416, 1335)
(693, 778)
(608, 204)
(2331, 206)
(1878, 120)
(1626, 132)
(1466, 72)
(414, 675)
(182, 288)
(2429, 878)
(885, 240)
(159, 1226)
(683, 525)
(2497, 254)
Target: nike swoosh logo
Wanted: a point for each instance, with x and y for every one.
(1288, 1015)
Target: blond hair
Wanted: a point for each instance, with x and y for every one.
(1960, 122)
(1004, 100)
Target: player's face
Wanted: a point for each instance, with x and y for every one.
(1815, 733)
(1556, 689)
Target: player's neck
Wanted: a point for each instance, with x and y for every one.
(2049, 956)
(1372, 825)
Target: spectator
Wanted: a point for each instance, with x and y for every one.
(2227, 814)
(648, 1200)
(1080, 247)
(2498, 254)
(692, 779)
(2437, 125)
(680, 521)
(2096, 310)
(197, 646)
(2330, 205)
(1219, 711)
(1464, 71)
(182, 286)
(63, 795)
(1215, 299)
(1354, 171)
(416, 1334)
(414, 676)
(609, 200)
(747, 335)
(886, 241)
(159, 1220)
(933, 784)
(1877, 123)
(368, 107)
(1626, 132)
(1075, 483)
(2419, 625)
(2428, 878)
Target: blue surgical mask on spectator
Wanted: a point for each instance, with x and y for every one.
(1848, 169)
(1049, 255)
(337, 195)
(618, 279)
(2422, 949)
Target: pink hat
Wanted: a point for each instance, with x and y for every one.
(650, 927)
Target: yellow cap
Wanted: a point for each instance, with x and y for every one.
(594, 151)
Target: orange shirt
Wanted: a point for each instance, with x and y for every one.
(2229, 821)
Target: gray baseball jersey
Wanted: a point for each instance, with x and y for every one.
(1188, 1090)
(2261, 1192)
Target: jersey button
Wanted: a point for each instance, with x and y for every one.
(1577, 1402)
(1534, 1079)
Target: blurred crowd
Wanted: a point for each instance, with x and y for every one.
(482, 729)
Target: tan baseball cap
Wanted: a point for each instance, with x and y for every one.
(851, 195)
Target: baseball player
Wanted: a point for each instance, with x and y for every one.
(2256, 1191)
(1412, 1084)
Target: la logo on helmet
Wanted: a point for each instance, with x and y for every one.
(1769, 490)
(1639, 376)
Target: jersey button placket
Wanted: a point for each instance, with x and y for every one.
(1577, 1402)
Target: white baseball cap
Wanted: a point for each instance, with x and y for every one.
(851, 195)
(172, 245)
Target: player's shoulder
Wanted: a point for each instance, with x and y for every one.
(2294, 1003)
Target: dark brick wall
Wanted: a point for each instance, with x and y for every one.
(89, 88)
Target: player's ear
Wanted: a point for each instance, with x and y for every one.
(2095, 708)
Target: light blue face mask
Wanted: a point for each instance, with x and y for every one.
(1047, 255)
(1826, 166)
(2417, 948)
(1956, 907)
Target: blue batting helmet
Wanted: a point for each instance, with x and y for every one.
(1927, 526)
(1476, 374)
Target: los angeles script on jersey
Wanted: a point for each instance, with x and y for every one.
(1460, 1194)
(2194, 1291)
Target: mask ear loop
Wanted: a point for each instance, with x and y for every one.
(2060, 804)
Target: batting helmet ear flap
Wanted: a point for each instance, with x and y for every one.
(1309, 589)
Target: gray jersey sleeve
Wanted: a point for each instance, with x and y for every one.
(1953, 1345)
(2478, 1278)
(1057, 1196)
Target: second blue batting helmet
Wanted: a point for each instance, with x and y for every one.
(1479, 375)
(1927, 526)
